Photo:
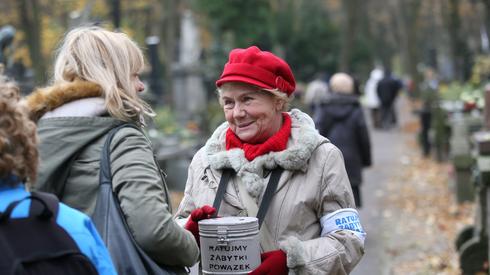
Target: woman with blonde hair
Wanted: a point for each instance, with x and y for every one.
(95, 89)
(18, 168)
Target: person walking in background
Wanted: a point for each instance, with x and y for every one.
(387, 90)
(341, 120)
(316, 91)
(257, 137)
(429, 94)
(96, 88)
(357, 85)
(18, 170)
(371, 96)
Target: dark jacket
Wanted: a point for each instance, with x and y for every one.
(387, 90)
(341, 120)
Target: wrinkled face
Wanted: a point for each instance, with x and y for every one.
(253, 115)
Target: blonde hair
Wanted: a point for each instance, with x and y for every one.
(108, 59)
(342, 83)
(18, 138)
(274, 92)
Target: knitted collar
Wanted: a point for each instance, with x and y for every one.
(275, 143)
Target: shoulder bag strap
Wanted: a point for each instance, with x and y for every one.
(223, 183)
(266, 199)
(147, 265)
(269, 193)
(105, 174)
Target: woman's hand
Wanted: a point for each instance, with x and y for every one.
(273, 263)
(205, 212)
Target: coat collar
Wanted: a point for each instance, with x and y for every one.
(302, 143)
(46, 99)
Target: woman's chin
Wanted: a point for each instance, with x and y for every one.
(246, 138)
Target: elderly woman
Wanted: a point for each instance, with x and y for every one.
(341, 120)
(96, 87)
(299, 232)
(18, 170)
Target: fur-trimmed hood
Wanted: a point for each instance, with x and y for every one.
(303, 141)
(43, 100)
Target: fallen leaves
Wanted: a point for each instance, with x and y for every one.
(425, 217)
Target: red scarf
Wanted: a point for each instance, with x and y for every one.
(275, 143)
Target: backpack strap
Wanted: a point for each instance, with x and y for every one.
(43, 205)
(266, 199)
(50, 200)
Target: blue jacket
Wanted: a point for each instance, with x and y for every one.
(78, 225)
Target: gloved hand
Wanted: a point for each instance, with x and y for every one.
(273, 263)
(198, 214)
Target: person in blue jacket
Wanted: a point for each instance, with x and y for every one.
(18, 168)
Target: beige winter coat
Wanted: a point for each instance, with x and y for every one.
(313, 185)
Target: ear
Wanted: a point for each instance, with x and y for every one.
(279, 104)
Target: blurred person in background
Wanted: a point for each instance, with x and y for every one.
(371, 96)
(259, 135)
(429, 94)
(316, 91)
(341, 120)
(18, 171)
(96, 88)
(387, 90)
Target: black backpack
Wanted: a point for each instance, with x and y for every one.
(37, 244)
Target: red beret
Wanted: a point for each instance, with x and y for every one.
(259, 68)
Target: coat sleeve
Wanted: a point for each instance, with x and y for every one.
(187, 204)
(338, 252)
(143, 198)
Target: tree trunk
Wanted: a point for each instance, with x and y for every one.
(407, 14)
(459, 50)
(350, 7)
(412, 44)
(487, 15)
(170, 24)
(31, 25)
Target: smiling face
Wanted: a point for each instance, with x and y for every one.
(253, 115)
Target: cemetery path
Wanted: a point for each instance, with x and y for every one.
(409, 212)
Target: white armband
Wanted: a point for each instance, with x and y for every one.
(343, 219)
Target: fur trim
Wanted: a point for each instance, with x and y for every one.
(303, 141)
(46, 99)
(296, 262)
(85, 107)
(294, 251)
